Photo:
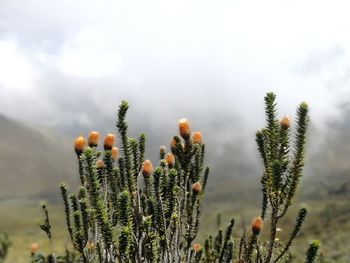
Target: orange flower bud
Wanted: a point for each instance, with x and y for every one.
(162, 149)
(109, 142)
(90, 245)
(173, 145)
(93, 138)
(147, 168)
(79, 145)
(197, 187)
(100, 164)
(170, 159)
(34, 247)
(257, 225)
(197, 137)
(115, 153)
(285, 122)
(184, 129)
(196, 247)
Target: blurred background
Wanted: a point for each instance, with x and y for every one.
(66, 65)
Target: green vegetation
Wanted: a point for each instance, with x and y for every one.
(332, 231)
(20, 219)
(128, 211)
(4, 246)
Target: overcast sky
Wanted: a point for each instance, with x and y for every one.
(71, 62)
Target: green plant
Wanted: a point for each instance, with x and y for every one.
(282, 169)
(311, 253)
(5, 243)
(128, 211)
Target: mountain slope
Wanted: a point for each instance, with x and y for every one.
(331, 165)
(33, 162)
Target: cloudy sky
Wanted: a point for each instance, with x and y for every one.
(71, 62)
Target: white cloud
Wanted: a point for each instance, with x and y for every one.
(89, 54)
(189, 51)
(16, 70)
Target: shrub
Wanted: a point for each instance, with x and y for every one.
(5, 243)
(129, 211)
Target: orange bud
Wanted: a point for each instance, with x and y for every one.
(115, 153)
(109, 142)
(285, 122)
(257, 225)
(196, 247)
(184, 129)
(147, 168)
(90, 245)
(100, 164)
(173, 145)
(79, 144)
(162, 149)
(197, 137)
(34, 247)
(170, 159)
(93, 138)
(197, 187)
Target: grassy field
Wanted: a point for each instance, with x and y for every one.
(21, 219)
(327, 221)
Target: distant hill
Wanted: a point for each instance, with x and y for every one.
(331, 164)
(33, 162)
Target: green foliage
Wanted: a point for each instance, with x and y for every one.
(312, 251)
(5, 243)
(128, 211)
(282, 169)
(45, 226)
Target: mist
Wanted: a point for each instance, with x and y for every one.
(69, 69)
(211, 62)
(65, 66)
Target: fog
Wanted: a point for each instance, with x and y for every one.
(66, 65)
(62, 61)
